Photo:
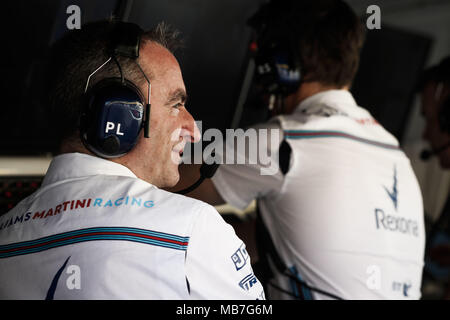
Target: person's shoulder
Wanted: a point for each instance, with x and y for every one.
(197, 216)
(178, 211)
(188, 202)
(176, 198)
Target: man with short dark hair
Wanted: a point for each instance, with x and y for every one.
(435, 94)
(342, 217)
(100, 227)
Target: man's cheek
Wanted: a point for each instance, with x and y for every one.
(174, 112)
(175, 135)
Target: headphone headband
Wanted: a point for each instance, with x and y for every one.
(114, 112)
(126, 40)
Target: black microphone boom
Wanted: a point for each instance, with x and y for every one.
(206, 172)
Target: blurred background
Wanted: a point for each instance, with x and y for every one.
(414, 34)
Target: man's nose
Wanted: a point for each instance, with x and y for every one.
(191, 129)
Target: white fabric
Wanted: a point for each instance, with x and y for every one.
(333, 218)
(161, 245)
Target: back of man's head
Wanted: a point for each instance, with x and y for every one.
(439, 73)
(328, 38)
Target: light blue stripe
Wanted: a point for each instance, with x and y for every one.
(306, 292)
(91, 238)
(90, 230)
(95, 238)
(294, 288)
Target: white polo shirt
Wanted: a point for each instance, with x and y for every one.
(347, 218)
(95, 231)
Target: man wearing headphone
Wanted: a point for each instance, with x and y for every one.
(100, 227)
(435, 89)
(343, 214)
(435, 94)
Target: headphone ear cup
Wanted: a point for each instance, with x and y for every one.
(444, 116)
(112, 118)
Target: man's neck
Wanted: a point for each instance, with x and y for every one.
(306, 90)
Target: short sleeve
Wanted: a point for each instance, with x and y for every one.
(218, 266)
(256, 172)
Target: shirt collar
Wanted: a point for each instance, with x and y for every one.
(76, 165)
(341, 100)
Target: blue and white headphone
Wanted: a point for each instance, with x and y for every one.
(114, 109)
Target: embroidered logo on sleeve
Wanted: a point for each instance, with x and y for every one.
(248, 282)
(240, 257)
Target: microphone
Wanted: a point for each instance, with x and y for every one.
(427, 154)
(207, 171)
